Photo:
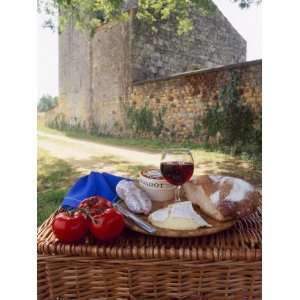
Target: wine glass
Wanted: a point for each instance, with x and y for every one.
(177, 167)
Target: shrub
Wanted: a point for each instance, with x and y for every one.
(46, 103)
(58, 122)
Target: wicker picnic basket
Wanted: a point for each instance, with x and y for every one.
(223, 266)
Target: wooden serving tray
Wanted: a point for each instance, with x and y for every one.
(217, 226)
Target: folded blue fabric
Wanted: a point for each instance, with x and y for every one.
(94, 184)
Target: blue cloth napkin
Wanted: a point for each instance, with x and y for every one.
(94, 184)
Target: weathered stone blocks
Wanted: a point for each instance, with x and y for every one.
(184, 106)
(99, 75)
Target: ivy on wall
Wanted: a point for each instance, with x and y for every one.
(227, 124)
(231, 122)
(143, 120)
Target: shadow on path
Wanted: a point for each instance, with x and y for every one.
(115, 165)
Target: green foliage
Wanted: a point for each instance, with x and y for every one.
(143, 120)
(47, 103)
(58, 122)
(159, 121)
(89, 14)
(213, 120)
(235, 117)
(152, 11)
(231, 123)
(140, 120)
(198, 128)
(247, 3)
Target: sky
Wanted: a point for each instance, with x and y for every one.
(247, 22)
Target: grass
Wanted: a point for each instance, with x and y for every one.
(148, 145)
(123, 167)
(54, 178)
(153, 145)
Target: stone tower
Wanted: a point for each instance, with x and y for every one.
(96, 74)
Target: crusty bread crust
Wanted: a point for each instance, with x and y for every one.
(222, 197)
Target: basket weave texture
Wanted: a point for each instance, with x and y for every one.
(223, 266)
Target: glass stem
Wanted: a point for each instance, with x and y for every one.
(177, 194)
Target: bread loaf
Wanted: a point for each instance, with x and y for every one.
(222, 197)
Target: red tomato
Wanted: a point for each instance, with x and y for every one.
(107, 225)
(95, 204)
(70, 228)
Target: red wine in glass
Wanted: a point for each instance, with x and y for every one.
(177, 167)
(177, 173)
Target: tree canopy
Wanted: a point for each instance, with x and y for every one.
(89, 14)
(46, 103)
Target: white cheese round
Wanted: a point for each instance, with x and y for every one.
(178, 216)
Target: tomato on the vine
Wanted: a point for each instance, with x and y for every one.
(70, 227)
(107, 225)
(94, 214)
(95, 204)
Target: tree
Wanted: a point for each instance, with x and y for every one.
(89, 14)
(247, 3)
(46, 103)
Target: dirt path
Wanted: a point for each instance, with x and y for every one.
(67, 148)
(86, 156)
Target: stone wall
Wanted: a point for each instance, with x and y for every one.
(74, 76)
(186, 96)
(110, 75)
(97, 74)
(94, 75)
(212, 42)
